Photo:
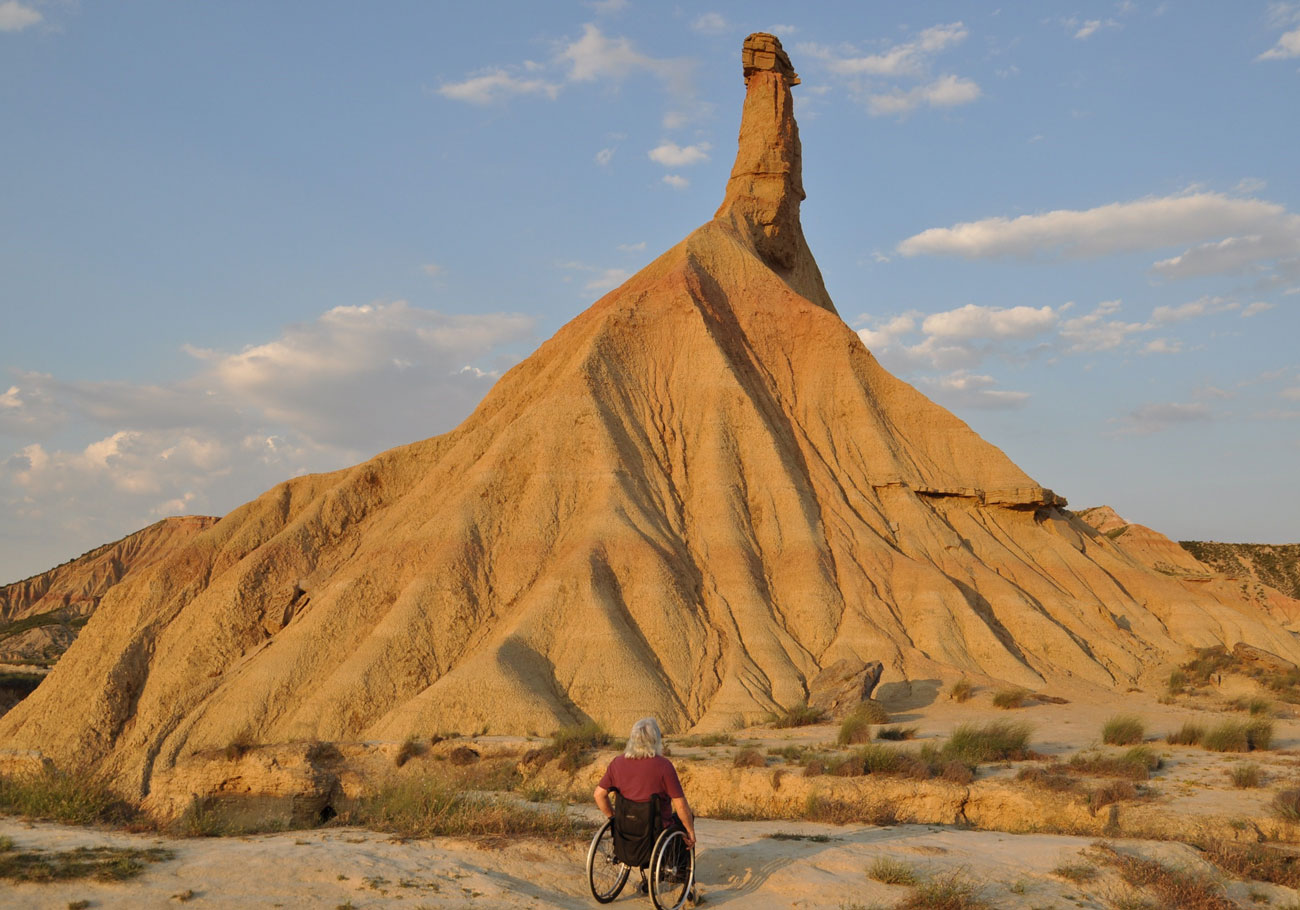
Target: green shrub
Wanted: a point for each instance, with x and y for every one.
(1236, 736)
(891, 872)
(1257, 706)
(961, 690)
(1191, 734)
(1123, 730)
(997, 740)
(1260, 735)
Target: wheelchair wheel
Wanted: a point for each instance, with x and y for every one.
(672, 871)
(605, 873)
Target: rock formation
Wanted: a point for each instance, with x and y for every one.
(40, 616)
(693, 499)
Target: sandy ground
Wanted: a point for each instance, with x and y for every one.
(739, 865)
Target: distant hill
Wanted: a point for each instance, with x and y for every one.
(1274, 565)
(41, 616)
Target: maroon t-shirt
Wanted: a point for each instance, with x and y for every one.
(638, 779)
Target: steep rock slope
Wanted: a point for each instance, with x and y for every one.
(694, 496)
(40, 616)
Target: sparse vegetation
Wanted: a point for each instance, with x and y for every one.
(1175, 889)
(1007, 699)
(1238, 736)
(1049, 778)
(409, 750)
(786, 835)
(1286, 805)
(1076, 872)
(1245, 776)
(240, 746)
(856, 728)
(105, 864)
(1257, 705)
(997, 740)
(573, 745)
(430, 807)
(961, 690)
(749, 758)
(945, 892)
(1135, 764)
(891, 872)
(798, 716)
(1191, 734)
(1115, 791)
(896, 734)
(706, 740)
(1123, 730)
(74, 799)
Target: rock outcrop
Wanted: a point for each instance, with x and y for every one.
(696, 497)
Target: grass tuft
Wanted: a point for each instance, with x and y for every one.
(1076, 872)
(71, 798)
(1191, 734)
(1123, 730)
(749, 758)
(432, 808)
(104, 864)
(945, 892)
(1239, 736)
(891, 872)
(798, 716)
(1007, 699)
(1246, 776)
(1286, 805)
(896, 734)
(961, 690)
(856, 728)
(997, 740)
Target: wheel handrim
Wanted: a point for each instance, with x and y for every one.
(673, 874)
(605, 873)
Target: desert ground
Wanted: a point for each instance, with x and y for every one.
(1007, 839)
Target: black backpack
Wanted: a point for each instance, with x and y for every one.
(636, 826)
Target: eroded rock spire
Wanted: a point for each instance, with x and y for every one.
(766, 184)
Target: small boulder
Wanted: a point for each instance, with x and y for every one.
(844, 685)
(1267, 659)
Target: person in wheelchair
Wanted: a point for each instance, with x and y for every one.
(642, 773)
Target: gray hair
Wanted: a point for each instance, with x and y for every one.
(646, 740)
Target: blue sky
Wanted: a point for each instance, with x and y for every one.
(242, 241)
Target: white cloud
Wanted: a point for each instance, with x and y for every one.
(320, 396)
(973, 390)
(907, 59)
(1086, 29)
(1234, 254)
(676, 181)
(1254, 309)
(432, 269)
(670, 154)
(596, 56)
(496, 85)
(887, 333)
(632, 247)
(604, 156)
(711, 23)
(1162, 346)
(1164, 315)
(946, 91)
(1144, 224)
(1292, 394)
(1287, 46)
(1096, 331)
(1153, 418)
(607, 280)
(15, 16)
(1247, 185)
(973, 321)
(781, 29)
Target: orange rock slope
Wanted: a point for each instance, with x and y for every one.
(695, 495)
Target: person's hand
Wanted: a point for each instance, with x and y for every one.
(690, 840)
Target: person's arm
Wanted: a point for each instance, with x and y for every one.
(602, 802)
(686, 817)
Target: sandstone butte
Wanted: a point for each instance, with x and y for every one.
(694, 497)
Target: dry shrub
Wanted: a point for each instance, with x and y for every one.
(1257, 705)
(997, 740)
(105, 864)
(707, 739)
(431, 808)
(1255, 862)
(1116, 791)
(462, 755)
(1191, 734)
(1135, 764)
(1176, 889)
(956, 772)
(1123, 730)
(799, 716)
(961, 690)
(1010, 698)
(896, 734)
(409, 750)
(1076, 872)
(1245, 777)
(1286, 805)
(749, 758)
(75, 798)
(945, 892)
(814, 768)
(891, 872)
(1048, 779)
(856, 727)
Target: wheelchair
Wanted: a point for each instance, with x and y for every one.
(636, 838)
